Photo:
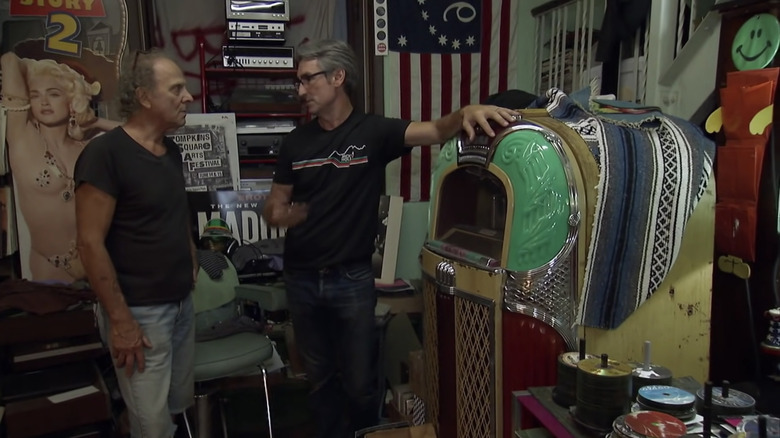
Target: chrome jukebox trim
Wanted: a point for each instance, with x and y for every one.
(547, 292)
(548, 296)
(455, 253)
(445, 277)
(444, 266)
(471, 154)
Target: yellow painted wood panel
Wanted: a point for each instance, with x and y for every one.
(676, 318)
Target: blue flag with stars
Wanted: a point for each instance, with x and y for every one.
(434, 26)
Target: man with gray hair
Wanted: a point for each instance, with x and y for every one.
(134, 239)
(326, 191)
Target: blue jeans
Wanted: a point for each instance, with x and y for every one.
(335, 332)
(166, 387)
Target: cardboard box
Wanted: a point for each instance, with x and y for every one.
(424, 431)
(402, 394)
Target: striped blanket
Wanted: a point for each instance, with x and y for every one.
(653, 171)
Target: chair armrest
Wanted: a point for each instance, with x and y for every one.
(268, 297)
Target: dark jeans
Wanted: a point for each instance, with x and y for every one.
(335, 332)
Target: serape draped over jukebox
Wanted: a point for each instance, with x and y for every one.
(653, 169)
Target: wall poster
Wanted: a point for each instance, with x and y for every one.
(60, 64)
(209, 152)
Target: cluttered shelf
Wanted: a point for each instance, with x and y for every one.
(253, 86)
(537, 406)
(213, 70)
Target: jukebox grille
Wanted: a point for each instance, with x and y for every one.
(431, 359)
(475, 369)
(546, 295)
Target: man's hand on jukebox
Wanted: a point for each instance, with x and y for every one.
(481, 115)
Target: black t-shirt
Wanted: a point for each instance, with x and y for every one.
(148, 240)
(339, 174)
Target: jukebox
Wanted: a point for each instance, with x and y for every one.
(510, 218)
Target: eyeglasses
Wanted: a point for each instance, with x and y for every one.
(306, 79)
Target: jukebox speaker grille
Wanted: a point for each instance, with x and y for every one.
(547, 295)
(431, 359)
(475, 340)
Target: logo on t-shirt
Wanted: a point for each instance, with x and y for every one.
(352, 156)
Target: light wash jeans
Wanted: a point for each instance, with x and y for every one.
(166, 387)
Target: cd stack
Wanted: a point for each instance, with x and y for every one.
(647, 424)
(727, 402)
(565, 391)
(649, 374)
(603, 393)
(669, 400)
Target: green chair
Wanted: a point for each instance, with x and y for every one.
(229, 349)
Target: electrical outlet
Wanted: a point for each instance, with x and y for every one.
(669, 97)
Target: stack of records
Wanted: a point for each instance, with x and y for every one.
(647, 424)
(669, 400)
(603, 393)
(727, 402)
(565, 392)
(648, 375)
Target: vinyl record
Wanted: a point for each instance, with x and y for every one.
(733, 402)
(650, 375)
(684, 416)
(666, 398)
(621, 429)
(654, 424)
(572, 358)
(750, 427)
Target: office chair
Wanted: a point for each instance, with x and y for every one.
(226, 345)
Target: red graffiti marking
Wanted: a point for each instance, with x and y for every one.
(185, 36)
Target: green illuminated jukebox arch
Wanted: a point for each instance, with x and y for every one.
(543, 222)
(542, 197)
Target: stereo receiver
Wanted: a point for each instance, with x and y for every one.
(250, 31)
(257, 57)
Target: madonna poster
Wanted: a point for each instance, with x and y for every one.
(60, 66)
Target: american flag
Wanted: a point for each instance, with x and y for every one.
(444, 54)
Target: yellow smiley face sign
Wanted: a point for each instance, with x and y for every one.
(756, 42)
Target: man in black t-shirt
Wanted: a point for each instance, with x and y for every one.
(326, 191)
(133, 235)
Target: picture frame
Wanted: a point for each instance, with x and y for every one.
(385, 256)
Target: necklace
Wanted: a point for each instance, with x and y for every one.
(57, 169)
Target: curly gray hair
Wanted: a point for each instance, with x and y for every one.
(139, 74)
